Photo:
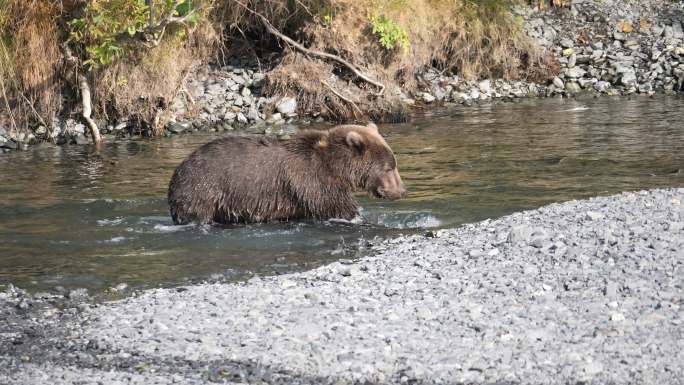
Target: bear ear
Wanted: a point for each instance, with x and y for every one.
(355, 141)
(372, 126)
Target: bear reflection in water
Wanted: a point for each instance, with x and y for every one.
(313, 175)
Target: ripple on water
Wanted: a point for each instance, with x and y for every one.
(406, 220)
(159, 228)
(116, 240)
(110, 222)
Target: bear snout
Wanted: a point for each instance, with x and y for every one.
(393, 194)
(391, 187)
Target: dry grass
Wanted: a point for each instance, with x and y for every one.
(30, 61)
(142, 86)
(471, 39)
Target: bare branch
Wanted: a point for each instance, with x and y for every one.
(343, 98)
(273, 30)
(87, 109)
(28, 102)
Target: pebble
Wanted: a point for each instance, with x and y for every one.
(593, 215)
(558, 83)
(428, 97)
(287, 106)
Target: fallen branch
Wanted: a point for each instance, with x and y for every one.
(87, 109)
(343, 98)
(72, 64)
(273, 30)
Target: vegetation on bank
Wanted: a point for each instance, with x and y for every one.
(339, 57)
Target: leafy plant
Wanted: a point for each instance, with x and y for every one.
(108, 27)
(390, 33)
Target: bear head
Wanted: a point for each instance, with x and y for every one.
(361, 157)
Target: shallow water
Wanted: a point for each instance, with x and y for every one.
(75, 218)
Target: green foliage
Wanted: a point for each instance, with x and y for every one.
(390, 34)
(107, 27)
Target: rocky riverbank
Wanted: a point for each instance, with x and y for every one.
(605, 47)
(579, 292)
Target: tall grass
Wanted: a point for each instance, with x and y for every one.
(29, 60)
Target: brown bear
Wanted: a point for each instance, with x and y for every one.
(312, 175)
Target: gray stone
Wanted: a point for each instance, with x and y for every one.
(602, 86)
(573, 87)
(428, 97)
(287, 106)
(120, 126)
(656, 30)
(575, 72)
(566, 43)
(582, 59)
(178, 127)
(677, 32)
(440, 93)
(593, 215)
(587, 83)
(239, 80)
(253, 114)
(56, 131)
(628, 78)
(596, 55)
(229, 116)
(214, 89)
(485, 86)
(80, 294)
(241, 118)
(520, 234)
(558, 83)
(10, 144)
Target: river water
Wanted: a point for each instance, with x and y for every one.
(72, 217)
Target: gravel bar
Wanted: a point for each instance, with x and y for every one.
(584, 292)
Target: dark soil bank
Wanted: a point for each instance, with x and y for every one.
(579, 292)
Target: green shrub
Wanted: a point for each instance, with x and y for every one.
(108, 27)
(390, 34)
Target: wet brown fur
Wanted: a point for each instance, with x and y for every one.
(313, 175)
